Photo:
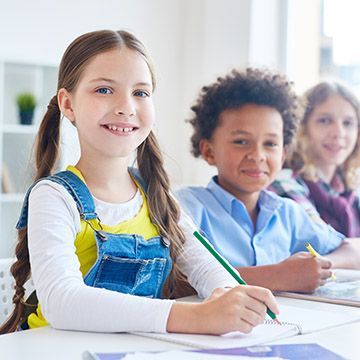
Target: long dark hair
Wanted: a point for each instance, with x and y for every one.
(163, 209)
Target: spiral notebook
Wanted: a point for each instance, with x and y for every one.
(294, 321)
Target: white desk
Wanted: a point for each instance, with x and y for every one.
(47, 343)
(50, 344)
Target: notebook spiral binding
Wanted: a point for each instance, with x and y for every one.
(273, 322)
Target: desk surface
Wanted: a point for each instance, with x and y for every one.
(48, 343)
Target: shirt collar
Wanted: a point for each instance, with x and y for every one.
(222, 196)
(267, 199)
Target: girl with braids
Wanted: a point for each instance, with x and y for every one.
(100, 239)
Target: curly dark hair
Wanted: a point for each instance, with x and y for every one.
(238, 88)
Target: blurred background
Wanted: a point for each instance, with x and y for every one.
(191, 43)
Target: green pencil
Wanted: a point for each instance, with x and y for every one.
(226, 265)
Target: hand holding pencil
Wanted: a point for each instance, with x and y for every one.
(256, 292)
(315, 254)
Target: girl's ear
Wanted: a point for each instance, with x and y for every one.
(206, 151)
(65, 104)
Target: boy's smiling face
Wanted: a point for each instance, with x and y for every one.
(247, 149)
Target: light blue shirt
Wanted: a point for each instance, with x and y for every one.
(282, 227)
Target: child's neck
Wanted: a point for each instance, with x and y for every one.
(108, 181)
(326, 173)
(250, 202)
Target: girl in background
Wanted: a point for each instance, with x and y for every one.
(103, 241)
(324, 171)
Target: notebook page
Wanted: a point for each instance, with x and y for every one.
(263, 333)
(314, 320)
(294, 321)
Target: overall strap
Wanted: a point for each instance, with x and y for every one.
(76, 188)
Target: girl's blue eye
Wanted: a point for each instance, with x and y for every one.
(141, 93)
(271, 144)
(104, 91)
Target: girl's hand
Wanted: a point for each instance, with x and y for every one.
(217, 293)
(303, 272)
(238, 309)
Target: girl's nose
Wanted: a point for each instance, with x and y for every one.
(125, 108)
(338, 129)
(126, 114)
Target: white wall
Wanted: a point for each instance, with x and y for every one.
(191, 41)
(303, 43)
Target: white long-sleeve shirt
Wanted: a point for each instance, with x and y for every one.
(66, 301)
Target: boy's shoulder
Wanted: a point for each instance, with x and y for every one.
(283, 204)
(194, 190)
(192, 193)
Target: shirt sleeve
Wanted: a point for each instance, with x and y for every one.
(323, 237)
(66, 301)
(203, 271)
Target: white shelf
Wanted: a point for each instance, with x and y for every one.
(17, 140)
(20, 129)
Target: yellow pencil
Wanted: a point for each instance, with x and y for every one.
(315, 254)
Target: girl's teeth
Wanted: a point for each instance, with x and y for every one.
(115, 128)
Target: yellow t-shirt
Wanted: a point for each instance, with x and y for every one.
(85, 243)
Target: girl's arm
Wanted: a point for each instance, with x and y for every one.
(203, 271)
(346, 256)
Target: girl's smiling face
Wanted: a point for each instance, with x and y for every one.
(247, 149)
(112, 105)
(332, 133)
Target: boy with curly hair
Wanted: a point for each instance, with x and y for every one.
(243, 125)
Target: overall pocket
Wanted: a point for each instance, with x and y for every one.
(141, 277)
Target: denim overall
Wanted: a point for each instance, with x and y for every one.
(125, 263)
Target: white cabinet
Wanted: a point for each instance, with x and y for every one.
(17, 141)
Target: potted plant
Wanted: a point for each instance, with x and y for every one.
(26, 103)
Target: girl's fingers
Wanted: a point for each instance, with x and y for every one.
(265, 296)
(256, 306)
(245, 327)
(253, 317)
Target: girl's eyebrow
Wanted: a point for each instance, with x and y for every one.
(103, 79)
(111, 81)
(324, 113)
